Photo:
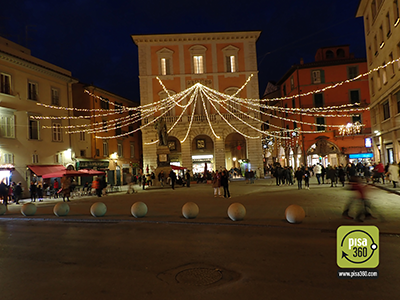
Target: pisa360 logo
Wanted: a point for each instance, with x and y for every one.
(357, 247)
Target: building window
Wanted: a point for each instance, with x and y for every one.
(82, 136)
(104, 103)
(58, 158)
(398, 102)
(391, 65)
(132, 149)
(35, 158)
(320, 121)
(381, 41)
(354, 96)
(118, 129)
(33, 129)
(56, 132)
(317, 76)
(7, 127)
(165, 61)
(230, 63)
(386, 110)
(8, 158)
(293, 103)
(373, 9)
(384, 74)
(119, 106)
(396, 12)
(318, 100)
(388, 25)
(55, 97)
(165, 66)
(340, 53)
(329, 54)
(372, 85)
(32, 91)
(105, 148)
(104, 124)
(198, 64)
(82, 153)
(352, 72)
(120, 149)
(5, 84)
(378, 79)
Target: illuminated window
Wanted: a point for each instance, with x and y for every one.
(198, 64)
(7, 128)
(165, 66)
(231, 63)
(8, 158)
(165, 56)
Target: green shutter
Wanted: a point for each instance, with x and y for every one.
(322, 72)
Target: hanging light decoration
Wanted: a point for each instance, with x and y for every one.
(350, 128)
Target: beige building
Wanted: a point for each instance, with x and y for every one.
(26, 149)
(222, 61)
(382, 36)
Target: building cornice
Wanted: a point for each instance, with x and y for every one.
(13, 59)
(195, 37)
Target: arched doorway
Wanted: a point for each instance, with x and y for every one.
(324, 152)
(235, 151)
(202, 154)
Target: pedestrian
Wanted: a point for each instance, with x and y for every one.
(360, 189)
(39, 191)
(18, 192)
(161, 178)
(33, 190)
(307, 178)
(103, 186)
(152, 177)
(4, 192)
(66, 187)
(216, 184)
(96, 186)
(318, 172)
(188, 178)
(299, 174)
(172, 177)
(393, 173)
(225, 184)
(341, 175)
(56, 186)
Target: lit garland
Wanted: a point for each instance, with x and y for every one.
(350, 128)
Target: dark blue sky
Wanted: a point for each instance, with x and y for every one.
(91, 38)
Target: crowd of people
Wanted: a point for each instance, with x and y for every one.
(335, 175)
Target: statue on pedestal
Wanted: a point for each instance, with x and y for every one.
(162, 133)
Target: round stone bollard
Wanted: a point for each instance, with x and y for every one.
(61, 209)
(190, 210)
(236, 212)
(28, 209)
(3, 209)
(139, 209)
(295, 214)
(98, 209)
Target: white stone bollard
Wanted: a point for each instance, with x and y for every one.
(98, 209)
(190, 210)
(139, 209)
(61, 209)
(28, 209)
(3, 209)
(295, 214)
(236, 212)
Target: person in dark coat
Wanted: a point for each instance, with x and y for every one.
(225, 184)
(188, 178)
(307, 178)
(172, 176)
(299, 177)
(33, 191)
(4, 192)
(18, 192)
(341, 175)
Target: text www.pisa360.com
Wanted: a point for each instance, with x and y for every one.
(359, 273)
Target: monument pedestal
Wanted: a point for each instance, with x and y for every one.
(163, 161)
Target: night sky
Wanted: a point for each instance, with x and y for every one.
(91, 38)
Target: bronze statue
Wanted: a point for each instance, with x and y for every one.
(162, 133)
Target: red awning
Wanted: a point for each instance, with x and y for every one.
(178, 168)
(90, 172)
(41, 170)
(72, 173)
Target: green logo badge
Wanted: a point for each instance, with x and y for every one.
(357, 247)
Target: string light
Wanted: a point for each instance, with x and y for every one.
(350, 128)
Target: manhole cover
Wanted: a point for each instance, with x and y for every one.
(199, 276)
